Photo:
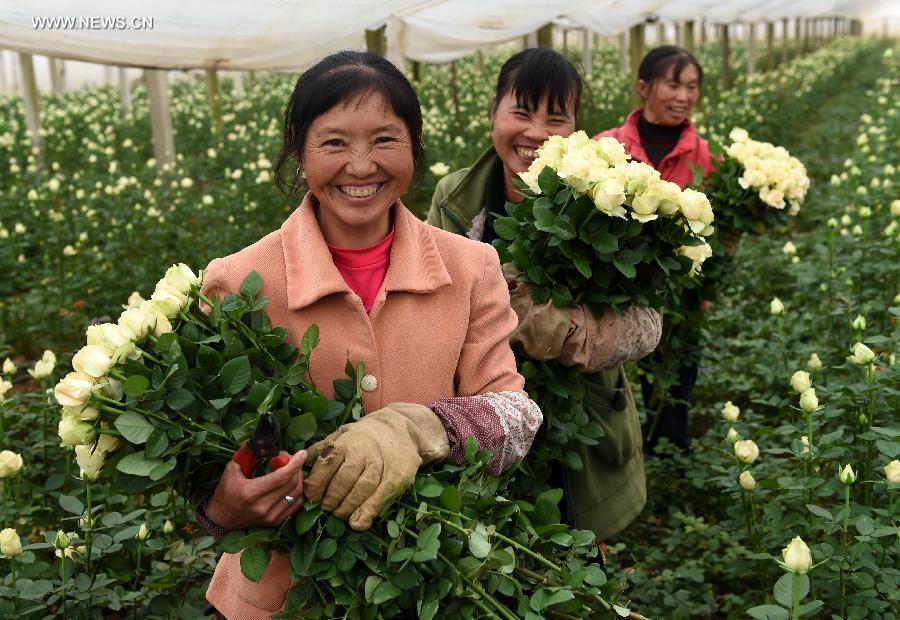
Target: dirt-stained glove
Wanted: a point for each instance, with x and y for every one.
(543, 328)
(364, 465)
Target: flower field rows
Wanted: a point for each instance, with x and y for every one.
(795, 418)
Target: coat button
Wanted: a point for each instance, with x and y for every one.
(369, 383)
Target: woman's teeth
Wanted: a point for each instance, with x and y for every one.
(526, 153)
(359, 191)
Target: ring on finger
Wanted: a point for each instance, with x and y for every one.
(290, 499)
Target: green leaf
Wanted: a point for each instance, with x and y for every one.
(157, 443)
(220, 403)
(372, 582)
(162, 469)
(310, 340)
(768, 612)
(179, 399)
(305, 520)
(428, 610)
(429, 534)
(820, 512)
(450, 498)
(302, 427)
(864, 526)
(235, 375)
(625, 268)
(783, 589)
(137, 464)
(401, 555)
(209, 358)
(134, 426)
(430, 488)
(479, 546)
(251, 285)
(71, 504)
(605, 243)
(254, 562)
(595, 576)
(326, 548)
(506, 228)
(384, 592)
(583, 266)
(135, 385)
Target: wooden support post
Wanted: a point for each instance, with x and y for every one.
(725, 73)
(160, 116)
(416, 71)
(784, 41)
(586, 55)
(124, 92)
(751, 48)
(454, 89)
(702, 31)
(214, 100)
(30, 96)
(835, 27)
(624, 44)
(689, 35)
(3, 85)
(636, 54)
(770, 45)
(660, 33)
(596, 38)
(545, 36)
(56, 74)
(798, 37)
(238, 89)
(679, 34)
(376, 41)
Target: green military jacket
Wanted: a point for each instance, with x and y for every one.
(611, 490)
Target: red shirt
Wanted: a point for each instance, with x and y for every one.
(364, 269)
(674, 167)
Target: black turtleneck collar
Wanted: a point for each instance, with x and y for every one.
(657, 140)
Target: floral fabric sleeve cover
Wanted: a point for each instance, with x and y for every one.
(602, 344)
(491, 404)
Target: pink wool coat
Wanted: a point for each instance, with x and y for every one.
(674, 167)
(439, 328)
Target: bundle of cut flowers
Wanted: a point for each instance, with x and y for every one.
(599, 229)
(163, 398)
(755, 185)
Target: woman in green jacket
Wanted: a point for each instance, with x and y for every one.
(538, 94)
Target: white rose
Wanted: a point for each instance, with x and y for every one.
(439, 169)
(74, 432)
(613, 150)
(137, 322)
(861, 354)
(49, 357)
(746, 451)
(9, 366)
(772, 197)
(732, 435)
(892, 471)
(10, 463)
(738, 135)
(895, 208)
(814, 363)
(697, 253)
(730, 412)
(797, 557)
(181, 278)
(10, 543)
(168, 527)
(747, 481)
(5, 386)
(644, 207)
(94, 360)
(808, 400)
(169, 300)
(112, 337)
(83, 412)
(91, 457)
(608, 196)
(847, 475)
(143, 533)
(776, 307)
(74, 390)
(789, 248)
(134, 301)
(859, 323)
(42, 369)
(800, 381)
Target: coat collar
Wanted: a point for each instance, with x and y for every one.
(415, 266)
(687, 141)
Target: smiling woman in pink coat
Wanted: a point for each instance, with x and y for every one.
(427, 311)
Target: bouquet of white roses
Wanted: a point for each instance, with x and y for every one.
(755, 185)
(599, 229)
(164, 398)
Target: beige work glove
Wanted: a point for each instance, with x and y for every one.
(543, 328)
(364, 465)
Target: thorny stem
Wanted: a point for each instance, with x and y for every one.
(844, 544)
(795, 595)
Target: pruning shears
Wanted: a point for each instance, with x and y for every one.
(264, 443)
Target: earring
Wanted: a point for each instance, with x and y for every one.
(301, 174)
(301, 179)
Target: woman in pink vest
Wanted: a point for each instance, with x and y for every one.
(427, 311)
(660, 133)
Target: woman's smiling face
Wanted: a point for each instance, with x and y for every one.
(518, 132)
(358, 161)
(669, 100)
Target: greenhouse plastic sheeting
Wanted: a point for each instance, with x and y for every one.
(287, 35)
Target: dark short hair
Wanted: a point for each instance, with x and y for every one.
(343, 77)
(656, 63)
(537, 72)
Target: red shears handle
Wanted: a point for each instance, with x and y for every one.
(247, 460)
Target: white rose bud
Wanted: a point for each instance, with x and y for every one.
(732, 435)
(776, 307)
(181, 278)
(168, 299)
(10, 463)
(847, 475)
(800, 381)
(5, 386)
(892, 471)
(789, 248)
(62, 541)
(9, 366)
(74, 432)
(74, 390)
(746, 451)
(861, 354)
(439, 169)
(90, 458)
(730, 412)
(42, 369)
(797, 557)
(168, 527)
(747, 481)
(136, 322)
(10, 543)
(814, 363)
(808, 400)
(859, 323)
(805, 441)
(134, 301)
(143, 533)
